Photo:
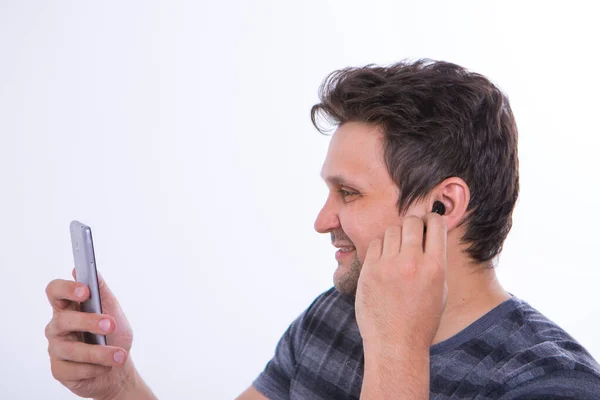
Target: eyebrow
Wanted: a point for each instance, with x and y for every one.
(341, 181)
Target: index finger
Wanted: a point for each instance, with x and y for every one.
(61, 293)
(436, 236)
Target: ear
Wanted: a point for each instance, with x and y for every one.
(454, 193)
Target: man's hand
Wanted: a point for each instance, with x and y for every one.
(400, 298)
(101, 372)
(402, 288)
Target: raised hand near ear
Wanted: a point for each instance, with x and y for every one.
(402, 287)
(400, 299)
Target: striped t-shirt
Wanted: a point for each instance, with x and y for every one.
(512, 352)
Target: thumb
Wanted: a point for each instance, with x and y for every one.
(123, 334)
(110, 304)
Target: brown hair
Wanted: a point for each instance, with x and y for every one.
(439, 120)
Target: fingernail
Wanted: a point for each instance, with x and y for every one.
(80, 292)
(104, 324)
(119, 357)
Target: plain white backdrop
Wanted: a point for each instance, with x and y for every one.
(180, 132)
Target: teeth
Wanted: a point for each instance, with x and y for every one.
(346, 249)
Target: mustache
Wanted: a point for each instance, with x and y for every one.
(340, 236)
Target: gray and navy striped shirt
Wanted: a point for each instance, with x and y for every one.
(512, 352)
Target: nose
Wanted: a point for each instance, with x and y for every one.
(328, 218)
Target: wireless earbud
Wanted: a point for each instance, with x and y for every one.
(438, 207)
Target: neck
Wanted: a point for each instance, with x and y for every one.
(473, 291)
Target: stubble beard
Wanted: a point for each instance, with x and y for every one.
(348, 282)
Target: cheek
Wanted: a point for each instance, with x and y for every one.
(354, 230)
(364, 223)
(363, 231)
(361, 236)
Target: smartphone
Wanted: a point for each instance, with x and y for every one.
(85, 267)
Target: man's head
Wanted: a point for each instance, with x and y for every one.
(407, 135)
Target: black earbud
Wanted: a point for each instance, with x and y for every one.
(438, 207)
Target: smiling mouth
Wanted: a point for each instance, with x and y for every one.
(347, 249)
(344, 252)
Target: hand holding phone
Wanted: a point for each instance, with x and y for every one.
(86, 369)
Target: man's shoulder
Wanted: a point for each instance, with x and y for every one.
(514, 349)
(534, 336)
(536, 347)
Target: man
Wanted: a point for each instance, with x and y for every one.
(416, 311)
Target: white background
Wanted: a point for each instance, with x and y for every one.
(180, 132)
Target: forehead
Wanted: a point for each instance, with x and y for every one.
(356, 154)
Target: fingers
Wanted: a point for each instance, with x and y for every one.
(373, 252)
(392, 240)
(412, 234)
(73, 360)
(65, 322)
(77, 352)
(412, 237)
(436, 237)
(65, 371)
(61, 293)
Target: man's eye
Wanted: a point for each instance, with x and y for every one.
(346, 193)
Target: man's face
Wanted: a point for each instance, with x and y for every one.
(362, 198)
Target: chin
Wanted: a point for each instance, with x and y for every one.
(345, 278)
